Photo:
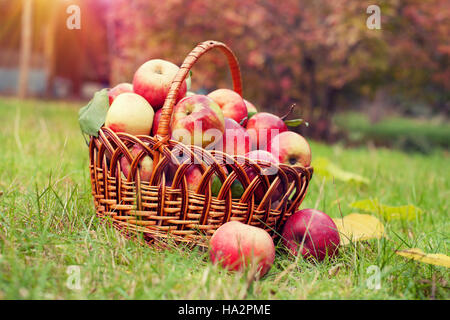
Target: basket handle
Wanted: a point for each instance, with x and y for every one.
(166, 113)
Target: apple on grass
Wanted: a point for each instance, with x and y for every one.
(153, 79)
(238, 246)
(262, 127)
(145, 165)
(120, 88)
(232, 105)
(130, 113)
(291, 148)
(311, 233)
(197, 120)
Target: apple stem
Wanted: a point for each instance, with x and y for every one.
(291, 108)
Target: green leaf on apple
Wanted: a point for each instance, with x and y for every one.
(92, 116)
(251, 114)
(296, 122)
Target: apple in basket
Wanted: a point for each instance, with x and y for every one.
(312, 233)
(197, 120)
(152, 80)
(291, 148)
(235, 139)
(237, 246)
(145, 165)
(250, 107)
(262, 127)
(120, 88)
(156, 122)
(232, 105)
(270, 172)
(193, 173)
(130, 113)
(237, 189)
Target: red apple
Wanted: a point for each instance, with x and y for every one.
(232, 105)
(130, 113)
(235, 140)
(197, 120)
(250, 107)
(156, 122)
(145, 165)
(271, 172)
(291, 148)
(262, 127)
(153, 79)
(120, 88)
(193, 174)
(237, 246)
(313, 233)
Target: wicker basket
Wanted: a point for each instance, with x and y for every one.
(159, 209)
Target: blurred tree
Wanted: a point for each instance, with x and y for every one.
(307, 52)
(25, 47)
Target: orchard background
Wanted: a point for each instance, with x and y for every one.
(377, 101)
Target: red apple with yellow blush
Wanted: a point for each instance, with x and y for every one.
(197, 120)
(145, 165)
(120, 88)
(238, 246)
(232, 105)
(153, 79)
(130, 113)
(262, 127)
(235, 139)
(291, 148)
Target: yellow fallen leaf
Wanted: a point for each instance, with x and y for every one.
(406, 212)
(437, 259)
(325, 168)
(357, 227)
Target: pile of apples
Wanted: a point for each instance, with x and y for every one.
(220, 121)
(216, 121)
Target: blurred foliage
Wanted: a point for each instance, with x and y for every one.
(403, 133)
(317, 54)
(307, 52)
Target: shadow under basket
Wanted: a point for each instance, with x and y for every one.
(165, 205)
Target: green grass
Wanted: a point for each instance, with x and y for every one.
(47, 224)
(402, 133)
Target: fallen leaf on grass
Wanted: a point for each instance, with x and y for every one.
(406, 212)
(437, 259)
(325, 168)
(357, 227)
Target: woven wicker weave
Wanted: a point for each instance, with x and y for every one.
(159, 208)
